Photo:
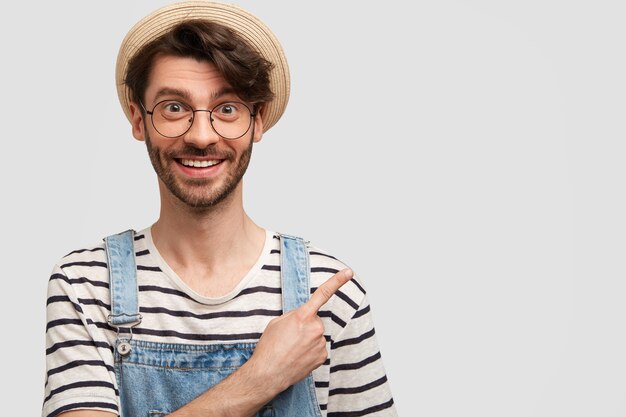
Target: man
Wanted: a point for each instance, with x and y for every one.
(205, 313)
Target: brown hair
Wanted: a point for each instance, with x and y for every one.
(243, 68)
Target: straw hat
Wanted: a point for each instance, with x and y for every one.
(248, 26)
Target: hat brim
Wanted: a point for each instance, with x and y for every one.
(246, 25)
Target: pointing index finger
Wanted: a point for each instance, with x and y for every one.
(327, 290)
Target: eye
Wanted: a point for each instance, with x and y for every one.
(172, 110)
(173, 107)
(228, 111)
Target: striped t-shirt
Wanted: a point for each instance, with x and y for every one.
(79, 342)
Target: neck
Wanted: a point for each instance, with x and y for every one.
(209, 247)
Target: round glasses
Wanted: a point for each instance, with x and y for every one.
(172, 118)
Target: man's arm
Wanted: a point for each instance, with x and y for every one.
(291, 347)
(358, 381)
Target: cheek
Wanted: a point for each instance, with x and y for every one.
(155, 151)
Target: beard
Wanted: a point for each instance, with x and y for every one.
(199, 193)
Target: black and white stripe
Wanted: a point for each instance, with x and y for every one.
(352, 381)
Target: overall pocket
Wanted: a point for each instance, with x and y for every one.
(266, 411)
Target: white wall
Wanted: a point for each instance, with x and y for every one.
(466, 158)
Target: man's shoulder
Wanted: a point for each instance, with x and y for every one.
(324, 265)
(83, 269)
(320, 259)
(94, 252)
(91, 257)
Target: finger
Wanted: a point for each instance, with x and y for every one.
(326, 290)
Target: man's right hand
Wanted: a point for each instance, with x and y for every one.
(293, 344)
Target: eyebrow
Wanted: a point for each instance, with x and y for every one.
(186, 94)
(167, 91)
(222, 92)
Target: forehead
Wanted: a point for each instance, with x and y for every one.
(200, 80)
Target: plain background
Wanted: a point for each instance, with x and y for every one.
(464, 157)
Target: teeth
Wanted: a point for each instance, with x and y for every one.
(198, 164)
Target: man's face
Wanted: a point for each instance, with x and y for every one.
(199, 168)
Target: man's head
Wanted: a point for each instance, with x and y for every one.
(188, 109)
(194, 94)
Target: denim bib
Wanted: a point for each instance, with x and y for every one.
(155, 379)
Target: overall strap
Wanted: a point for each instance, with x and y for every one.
(120, 251)
(294, 267)
(299, 399)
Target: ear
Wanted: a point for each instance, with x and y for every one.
(136, 121)
(258, 128)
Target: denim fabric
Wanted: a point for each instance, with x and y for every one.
(299, 399)
(155, 379)
(294, 267)
(123, 278)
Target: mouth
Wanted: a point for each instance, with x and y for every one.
(196, 163)
(200, 168)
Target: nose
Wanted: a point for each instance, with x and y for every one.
(201, 134)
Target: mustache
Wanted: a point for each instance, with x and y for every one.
(210, 150)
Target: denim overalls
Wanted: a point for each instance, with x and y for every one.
(155, 379)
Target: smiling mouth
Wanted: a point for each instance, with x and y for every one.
(194, 163)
